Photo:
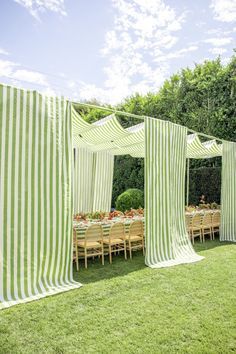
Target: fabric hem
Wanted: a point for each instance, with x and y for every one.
(173, 262)
(50, 292)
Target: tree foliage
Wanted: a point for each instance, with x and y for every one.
(202, 99)
(207, 181)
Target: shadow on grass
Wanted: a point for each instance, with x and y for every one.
(121, 267)
(208, 244)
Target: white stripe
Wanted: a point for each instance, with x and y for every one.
(2, 194)
(9, 190)
(36, 190)
(23, 170)
(29, 260)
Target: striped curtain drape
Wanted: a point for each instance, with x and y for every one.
(83, 180)
(35, 196)
(102, 181)
(228, 193)
(167, 242)
(93, 180)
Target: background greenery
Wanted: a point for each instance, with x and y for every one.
(203, 99)
(205, 180)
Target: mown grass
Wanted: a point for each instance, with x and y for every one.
(129, 308)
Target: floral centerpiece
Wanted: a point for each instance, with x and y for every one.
(80, 216)
(115, 214)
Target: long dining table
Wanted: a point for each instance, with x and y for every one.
(80, 227)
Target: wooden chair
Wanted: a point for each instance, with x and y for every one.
(92, 244)
(116, 240)
(188, 220)
(196, 227)
(215, 223)
(75, 250)
(206, 226)
(135, 238)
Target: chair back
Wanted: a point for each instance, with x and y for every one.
(117, 230)
(188, 219)
(74, 239)
(216, 217)
(94, 233)
(206, 220)
(136, 228)
(74, 235)
(197, 220)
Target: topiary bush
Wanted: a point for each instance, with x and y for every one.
(132, 198)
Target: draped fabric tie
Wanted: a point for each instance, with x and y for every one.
(167, 241)
(228, 193)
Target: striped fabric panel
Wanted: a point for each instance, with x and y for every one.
(108, 135)
(228, 193)
(83, 180)
(213, 148)
(131, 150)
(79, 125)
(122, 146)
(167, 242)
(106, 130)
(136, 128)
(102, 181)
(35, 196)
(105, 134)
(137, 154)
(198, 150)
(79, 142)
(195, 149)
(102, 122)
(136, 136)
(106, 146)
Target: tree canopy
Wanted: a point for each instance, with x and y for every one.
(202, 99)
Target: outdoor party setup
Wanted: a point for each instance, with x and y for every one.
(54, 163)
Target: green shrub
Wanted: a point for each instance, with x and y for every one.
(132, 198)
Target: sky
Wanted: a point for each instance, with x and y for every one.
(109, 49)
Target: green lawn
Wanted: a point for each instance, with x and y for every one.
(129, 308)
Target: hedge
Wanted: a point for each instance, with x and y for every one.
(207, 181)
(129, 173)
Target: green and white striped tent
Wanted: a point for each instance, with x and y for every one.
(107, 135)
(38, 191)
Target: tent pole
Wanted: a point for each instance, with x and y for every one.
(102, 108)
(187, 192)
(126, 114)
(205, 135)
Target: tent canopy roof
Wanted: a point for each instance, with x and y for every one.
(107, 134)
